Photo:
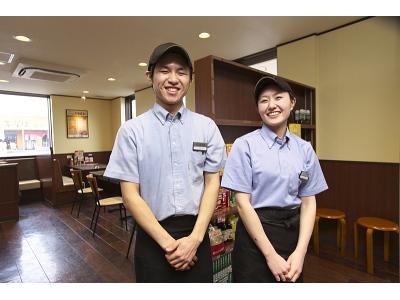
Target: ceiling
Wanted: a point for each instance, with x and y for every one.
(105, 47)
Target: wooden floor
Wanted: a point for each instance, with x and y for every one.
(49, 245)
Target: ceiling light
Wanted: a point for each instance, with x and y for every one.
(142, 64)
(111, 79)
(83, 97)
(2, 63)
(85, 92)
(3, 81)
(204, 35)
(22, 38)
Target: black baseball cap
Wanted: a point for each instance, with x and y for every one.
(269, 80)
(163, 49)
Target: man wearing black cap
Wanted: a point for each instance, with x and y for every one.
(168, 161)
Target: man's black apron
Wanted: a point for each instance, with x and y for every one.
(151, 264)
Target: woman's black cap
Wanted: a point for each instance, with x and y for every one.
(269, 80)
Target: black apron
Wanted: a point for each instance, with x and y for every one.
(151, 264)
(281, 225)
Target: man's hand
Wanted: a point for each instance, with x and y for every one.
(183, 256)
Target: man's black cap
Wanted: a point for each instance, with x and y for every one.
(269, 80)
(162, 49)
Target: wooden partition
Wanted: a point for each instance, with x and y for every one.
(9, 192)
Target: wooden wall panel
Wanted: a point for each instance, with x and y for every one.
(363, 189)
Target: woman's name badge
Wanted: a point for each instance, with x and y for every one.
(303, 176)
(199, 146)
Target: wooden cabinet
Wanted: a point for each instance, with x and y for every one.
(9, 192)
(224, 92)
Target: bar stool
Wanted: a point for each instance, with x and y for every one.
(371, 224)
(331, 214)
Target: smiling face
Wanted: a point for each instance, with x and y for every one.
(274, 107)
(171, 81)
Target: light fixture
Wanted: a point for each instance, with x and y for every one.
(85, 92)
(2, 63)
(111, 79)
(83, 97)
(204, 35)
(3, 81)
(22, 38)
(142, 64)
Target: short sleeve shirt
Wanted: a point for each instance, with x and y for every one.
(156, 151)
(268, 168)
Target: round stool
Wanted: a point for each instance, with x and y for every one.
(331, 214)
(371, 224)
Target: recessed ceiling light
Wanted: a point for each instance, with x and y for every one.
(83, 98)
(142, 64)
(204, 35)
(85, 92)
(2, 63)
(3, 81)
(22, 38)
(111, 79)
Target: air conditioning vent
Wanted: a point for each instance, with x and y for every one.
(42, 71)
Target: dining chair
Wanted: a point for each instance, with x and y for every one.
(80, 190)
(105, 202)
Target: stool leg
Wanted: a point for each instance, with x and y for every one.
(342, 236)
(339, 235)
(316, 235)
(386, 246)
(370, 254)
(355, 240)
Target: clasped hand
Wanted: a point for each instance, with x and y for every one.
(181, 254)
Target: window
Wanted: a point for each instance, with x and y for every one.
(269, 66)
(24, 125)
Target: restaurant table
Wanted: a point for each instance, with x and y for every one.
(88, 167)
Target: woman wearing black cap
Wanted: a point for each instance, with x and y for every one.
(276, 176)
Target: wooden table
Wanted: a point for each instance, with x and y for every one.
(88, 167)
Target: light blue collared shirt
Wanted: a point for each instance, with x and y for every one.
(268, 168)
(155, 150)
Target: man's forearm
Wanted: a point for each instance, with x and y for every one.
(207, 205)
(143, 215)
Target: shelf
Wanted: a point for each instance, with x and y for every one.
(224, 212)
(227, 122)
(307, 126)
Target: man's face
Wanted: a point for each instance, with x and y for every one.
(171, 80)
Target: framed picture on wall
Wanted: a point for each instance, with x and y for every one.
(77, 124)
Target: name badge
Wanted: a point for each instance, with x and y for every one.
(200, 146)
(303, 176)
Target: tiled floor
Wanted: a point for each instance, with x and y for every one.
(50, 245)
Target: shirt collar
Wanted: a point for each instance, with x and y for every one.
(271, 138)
(163, 115)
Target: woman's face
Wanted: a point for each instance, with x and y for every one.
(274, 107)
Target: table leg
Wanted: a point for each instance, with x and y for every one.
(355, 240)
(386, 246)
(342, 236)
(370, 252)
(316, 235)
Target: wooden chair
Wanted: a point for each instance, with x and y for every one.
(371, 224)
(99, 203)
(331, 214)
(130, 240)
(80, 189)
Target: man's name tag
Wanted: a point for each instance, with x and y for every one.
(303, 176)
(199, 146)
